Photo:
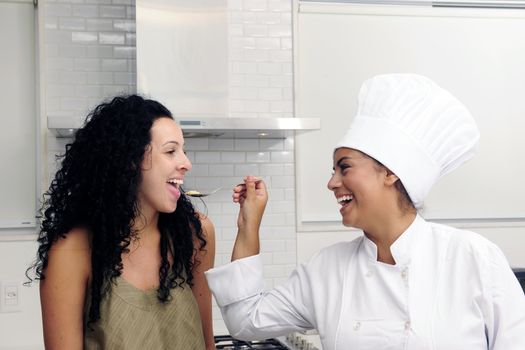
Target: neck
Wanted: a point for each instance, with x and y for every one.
(146, 223)
(386, 231)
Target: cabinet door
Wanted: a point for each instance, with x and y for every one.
(17, 114)
(477, 54)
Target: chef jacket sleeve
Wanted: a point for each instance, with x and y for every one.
(249, 312)
(505, 314)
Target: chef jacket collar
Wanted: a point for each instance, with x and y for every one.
(402, 248)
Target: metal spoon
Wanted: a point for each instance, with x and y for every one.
(194, 193)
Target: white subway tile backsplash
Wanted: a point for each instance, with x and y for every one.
(207, 157)
(255, 5)
(233, 157)
(282, 157)
(112, 38)
(87, 64)
(280, 6)
(258, 157)
(254, 55)
(196, 144)
(85, 10)
(60, 63)
(256, 106)
(221, 170)
(100, 78)
(286, 43)
(272, 94)
(244, 67)
(280, 55)
(199, 170)
(75, 104)
(124, 25)
(99, 24)
(131, 39)
(99, 51)
(235, 5)
(125, 78)
(268, 43)
(281, 106)
(51, 50)
(84, 37)
(255, 30)
(284, 258)
(55, 9)
(112, 90)
(221, 144)
(246, 144)
(72, 51)
(58, 36)
(242, 170)
(268, 18)
(283, 181)
(72, 23)
(280, 31)
(257, 80)
(89, 90)
(243, 93)
(270, 68)
(114, 65)
(113, 11)
(271, 169)
(51, 23)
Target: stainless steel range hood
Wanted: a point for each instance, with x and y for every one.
(239, 128)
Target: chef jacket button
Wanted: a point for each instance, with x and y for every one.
(357, 325)
(404, 273)
(407, 325)
(369, 273)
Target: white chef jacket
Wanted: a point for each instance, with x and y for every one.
(449, 290)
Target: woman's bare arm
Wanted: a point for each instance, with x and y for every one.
(63, 290)
(200, 288)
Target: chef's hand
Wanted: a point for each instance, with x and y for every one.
(252, 197)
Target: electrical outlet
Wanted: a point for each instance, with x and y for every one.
(10, 296)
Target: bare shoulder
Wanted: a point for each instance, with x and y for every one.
(71, 253)
(76, 239)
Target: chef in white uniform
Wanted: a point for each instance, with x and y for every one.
(406, 283)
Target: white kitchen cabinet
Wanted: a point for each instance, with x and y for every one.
(18, 114)
(478, 54)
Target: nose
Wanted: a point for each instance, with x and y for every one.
(185, 164)
(334, 182)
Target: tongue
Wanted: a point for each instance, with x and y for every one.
(174, 190)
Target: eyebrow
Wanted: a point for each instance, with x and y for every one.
(341, 160)
(175, 142)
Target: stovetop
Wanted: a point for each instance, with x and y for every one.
(228, 342)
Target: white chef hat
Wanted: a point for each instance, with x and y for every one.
(414, 127)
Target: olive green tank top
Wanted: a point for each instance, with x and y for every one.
(131, 318)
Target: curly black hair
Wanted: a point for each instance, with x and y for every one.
(96, 189)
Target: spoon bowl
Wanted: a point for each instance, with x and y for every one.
(197, 194)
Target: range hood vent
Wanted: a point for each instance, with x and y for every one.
(237, 128)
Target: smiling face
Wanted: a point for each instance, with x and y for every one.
(163, 168)
(362, 187)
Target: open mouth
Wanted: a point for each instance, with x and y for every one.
(344, 200)
(175, 182)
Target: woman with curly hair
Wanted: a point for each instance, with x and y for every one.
(122, 250)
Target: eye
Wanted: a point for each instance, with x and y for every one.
(344, 168)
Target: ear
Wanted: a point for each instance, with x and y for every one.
(390, 178)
